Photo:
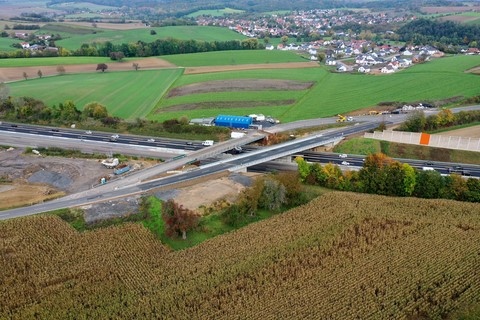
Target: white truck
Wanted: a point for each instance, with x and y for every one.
(207, 143)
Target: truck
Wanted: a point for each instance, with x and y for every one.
(341, 118)
(114, 137)
(207, 143)
(122, 169)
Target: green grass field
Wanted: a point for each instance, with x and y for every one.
(336, 93)
(132, 36)
(214, 13)
(82, 5)
(227, 58)
(6, 45)
(332, 93)
(128, 94)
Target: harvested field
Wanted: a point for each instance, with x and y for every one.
(111, 26)
(470, 132)
(239, 85)
(225, 105)
(449, 9)
(14, 74)
(289, 65)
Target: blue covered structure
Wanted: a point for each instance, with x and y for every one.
(233, 121)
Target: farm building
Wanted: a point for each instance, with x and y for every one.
(233, 121)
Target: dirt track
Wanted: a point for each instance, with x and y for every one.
(15, 74)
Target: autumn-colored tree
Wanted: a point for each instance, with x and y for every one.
(303, 168)
(178, 220)
(455, 188)
(102, 66)
(445, 118)
(334, 176)
(295, 191)
(373, 176)
(95, 110)
(40, 73)
(25, 75)
(473, 193)
(415, 122)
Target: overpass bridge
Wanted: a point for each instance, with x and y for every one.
(141, 181)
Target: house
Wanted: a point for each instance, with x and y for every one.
(330, 62)
(313, 58)
(364, 69)
(25, 45)
(233, 121)
(269, 47)
(387, 69)
(341, 68)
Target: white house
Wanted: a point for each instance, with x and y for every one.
(269, 47)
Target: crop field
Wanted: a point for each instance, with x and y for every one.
(132, 36)
(82, 5)
(214, 13)
(127, 94)
(342, 256)
(225, 58)
(331, 93)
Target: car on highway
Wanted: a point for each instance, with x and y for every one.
(189, 143)
(13, 125)
(88, 132)
(343, 155)
(345, 163)
(55, 130)
(151, 140)
(428, 163)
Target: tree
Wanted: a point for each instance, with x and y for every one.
(61, 70)
(273, 195)
(429, 184)
(303, 168)
(284, 40)
(415, 122)
(95, 110)
(39, 73)
(135, 66)
(25, 75)
(117, 55)
(153, 32)
(321, 56)
(178, 220)
(102, 66)
(4, 92)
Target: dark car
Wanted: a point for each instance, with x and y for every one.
(189, 143)
(13, 125)
(429, 163)
(55, 130)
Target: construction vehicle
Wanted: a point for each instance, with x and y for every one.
(122, 169)
(341, 118)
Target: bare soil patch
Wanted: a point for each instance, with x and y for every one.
(16, 73)
(205, 193)
(239, 85)
(287, 65)
(449, 9)
(111, 26)
(35, 178)
(470, 132)
(225, 105)
(458, 18)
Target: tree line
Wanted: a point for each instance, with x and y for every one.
(382, 175)
(441, 34)
(418, 122)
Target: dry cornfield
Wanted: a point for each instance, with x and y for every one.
(342, 256)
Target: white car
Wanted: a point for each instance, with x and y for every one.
(151, 140)
(88, 132)
(345, 163)
(343, 155)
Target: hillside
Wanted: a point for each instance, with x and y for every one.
(342, 256)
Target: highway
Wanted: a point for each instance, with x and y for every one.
(138, 183)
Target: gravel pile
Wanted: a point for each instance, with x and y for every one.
(58, 180)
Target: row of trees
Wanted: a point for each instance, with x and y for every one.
(163, 47)
(418, 122)
(425, 31)
(385, 176)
